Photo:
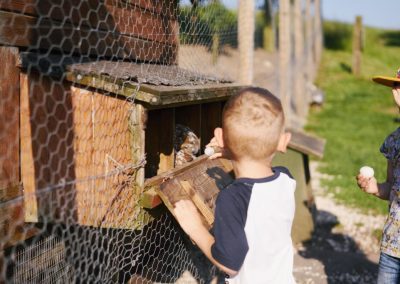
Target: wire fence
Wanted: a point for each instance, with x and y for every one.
(79, 137)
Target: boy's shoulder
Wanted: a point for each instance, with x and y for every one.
(284, 170)
(241, 188)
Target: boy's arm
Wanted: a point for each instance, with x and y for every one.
(189, 219)
(380, 190)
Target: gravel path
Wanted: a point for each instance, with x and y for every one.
(344, 247)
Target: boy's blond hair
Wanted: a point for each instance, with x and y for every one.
(253, 122)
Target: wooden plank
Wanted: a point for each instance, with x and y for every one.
(199, 181)
(307, 144)
(357, 46)
(64, 7)
(207, 213)
(159, 139)
(135, 22)
(285, 54)
(13, 229)
(46, 119)
(103, 125)
(150, 198)
(9, 128)
(211, 118)
(303, 223)
(169, 8)
(189, 116)
(26, 31)
(27, 161)
(88, 145)
(137, 125)
(157, 180)
(158, 25)
(157, 96)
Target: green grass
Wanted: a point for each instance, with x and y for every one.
(357, 115)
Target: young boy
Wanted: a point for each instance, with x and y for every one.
(251, 239)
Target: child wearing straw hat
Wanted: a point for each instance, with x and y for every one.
(389, 262)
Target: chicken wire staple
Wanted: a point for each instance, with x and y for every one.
(66, 144)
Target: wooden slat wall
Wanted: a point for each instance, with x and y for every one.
(160, 131)
(47, 154)
(145, 31)
(70, 149)
(12, 227)
(189, 116)
(9, 126)
(211, 117)
(102, 145)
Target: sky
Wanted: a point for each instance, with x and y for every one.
(375, 13)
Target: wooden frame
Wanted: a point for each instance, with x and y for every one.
(139, 31)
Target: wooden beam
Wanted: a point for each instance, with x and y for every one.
(27, 158)
(155, 21)
(157, 96)
(301, 101)
(285, 49)
(306, 143)
(246, 29)
(13, 229)
(205, 176)
(10, 125)
(200, 182)
(27, 31)
(211, 114)
(198, 201)
(137, 125)
(160, 130)
(357, 46)
(309, 61)
(151, 197)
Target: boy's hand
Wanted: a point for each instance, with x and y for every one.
(222, 154)
(188, 217)
(368, 185)
(396, 95)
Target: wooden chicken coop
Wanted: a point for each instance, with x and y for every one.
(41, 135)
(91, 102)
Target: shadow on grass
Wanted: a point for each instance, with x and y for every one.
(339, 254)
(391, 38)
(345, 67)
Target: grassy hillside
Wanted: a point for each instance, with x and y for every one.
(358, 114)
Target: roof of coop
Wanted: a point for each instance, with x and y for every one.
(167, 75)
(154, 85)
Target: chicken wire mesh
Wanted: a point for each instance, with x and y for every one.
(71, 159)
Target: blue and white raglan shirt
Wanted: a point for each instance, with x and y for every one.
(252, 229)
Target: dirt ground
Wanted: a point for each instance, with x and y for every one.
(343, 248)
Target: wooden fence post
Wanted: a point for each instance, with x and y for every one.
(309, 42)
(357, 46)
(300, 100)
(246, 40)
(284, 55)
(318, 33)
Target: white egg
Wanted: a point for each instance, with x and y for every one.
(367, 172)
(209, 151)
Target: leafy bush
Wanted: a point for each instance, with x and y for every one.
(198, 25)
(338, 36)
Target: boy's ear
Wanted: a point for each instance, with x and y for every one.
(218, 134)
(284, 142)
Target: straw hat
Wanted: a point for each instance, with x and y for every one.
(388, 81)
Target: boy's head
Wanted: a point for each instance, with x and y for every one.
(253, 125)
